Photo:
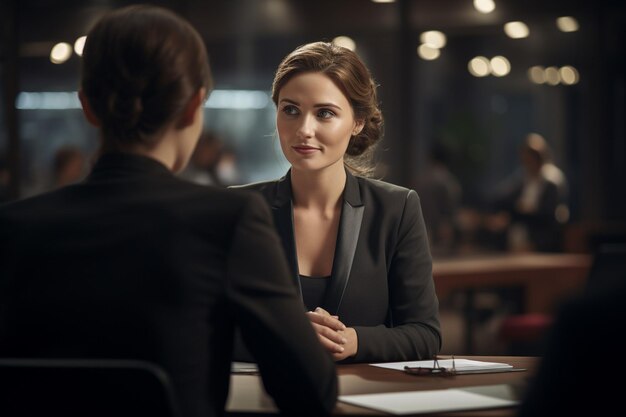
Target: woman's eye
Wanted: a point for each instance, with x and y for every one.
(290, 110)
(325, 114)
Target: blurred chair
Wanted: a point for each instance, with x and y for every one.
(524, 334)
(84, 387)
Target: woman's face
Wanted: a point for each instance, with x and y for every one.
(315, 122)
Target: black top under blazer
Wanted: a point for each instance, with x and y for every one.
(136, 263)
(381, 281)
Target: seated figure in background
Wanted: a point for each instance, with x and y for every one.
(69, 166)
(440, 193)
(532, 207)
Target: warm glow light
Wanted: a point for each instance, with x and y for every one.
(500, 66)
(79, 45)
(345, 41)
(552, 76)
(219, 99)
(427, 52)
(384, 1)
(479, 66)
(516, 30)
(569, 75)
(60, 53)
(238, 99)
(537, 74)
(484, 6)
(433, 38)
(567, 24)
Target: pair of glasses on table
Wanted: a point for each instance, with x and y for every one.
(435, 370)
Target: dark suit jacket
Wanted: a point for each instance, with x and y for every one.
(542, 224)
(381, 282)
(136, 263)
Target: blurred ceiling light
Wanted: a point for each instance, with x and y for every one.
(427, 52)
(345, 42)
(516, 30)
(60, 53)
(219, 99)
(434, 39)
(552, 76)
(537, 74)
(237, 99)
(479, 66)
(484, 6)
(567, 24)
(79, 45)
(384, 1)
(500, 66)
(569, 75)
(58, 100)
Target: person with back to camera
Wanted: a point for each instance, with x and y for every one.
(357, 247)
(135, 263)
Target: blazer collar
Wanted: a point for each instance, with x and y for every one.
(284, 193)
(352, 192)
(347, 237)
(113, 165)
(347, 240)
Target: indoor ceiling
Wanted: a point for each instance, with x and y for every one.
(239, 32)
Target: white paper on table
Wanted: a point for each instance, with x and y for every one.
(460, 364)
(433, 401)
(244, 368)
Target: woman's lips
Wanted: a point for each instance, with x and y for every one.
(305, 150)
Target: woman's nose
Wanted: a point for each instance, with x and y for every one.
(306, 128)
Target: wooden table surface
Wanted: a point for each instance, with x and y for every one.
(247, 396)
(545, 278)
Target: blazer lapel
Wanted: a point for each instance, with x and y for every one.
(282, 208)
(347, 239)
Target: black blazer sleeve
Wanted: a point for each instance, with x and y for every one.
(296, 371)
(413, 331)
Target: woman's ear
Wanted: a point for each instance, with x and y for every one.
(87, 110)
(190, 112)
(358, 126)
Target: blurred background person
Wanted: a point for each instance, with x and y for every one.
(213, 162)
(440, 195)
(531, 207)
(202, 168)
(227, 169)
(69, 166)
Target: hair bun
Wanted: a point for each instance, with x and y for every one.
(125, 110)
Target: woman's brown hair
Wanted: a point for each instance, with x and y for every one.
(352, 77)
(140, 67)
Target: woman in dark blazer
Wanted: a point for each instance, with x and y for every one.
(135, 263)
(357, 247)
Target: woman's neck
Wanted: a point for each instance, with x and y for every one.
(320, 190)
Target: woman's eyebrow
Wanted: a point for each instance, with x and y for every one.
(289, 101)
(318, 105)
(327, 105)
